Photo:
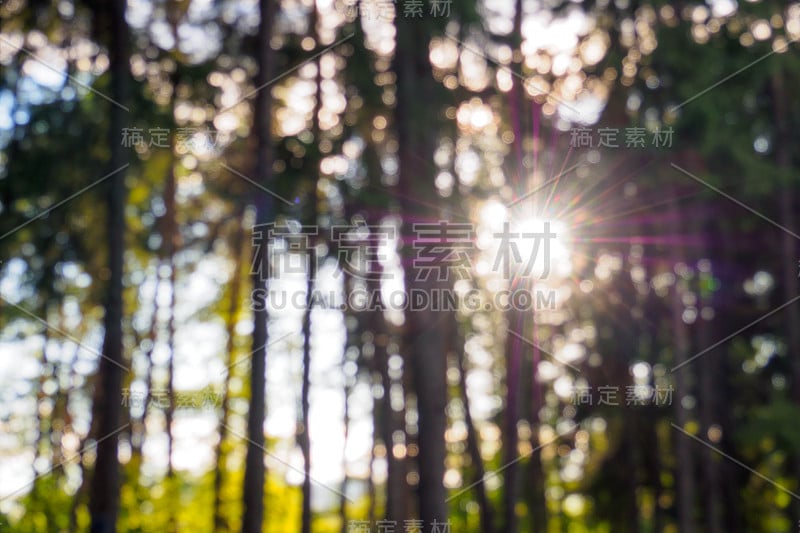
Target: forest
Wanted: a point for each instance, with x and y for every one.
(419, 266)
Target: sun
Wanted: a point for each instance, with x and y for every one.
(536, 246)
(543, 243)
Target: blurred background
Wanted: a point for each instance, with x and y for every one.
(399, 265)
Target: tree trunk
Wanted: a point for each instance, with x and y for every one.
(514, 319)
(170, 247)
(255, 470)
(234, 303)
(105, 485)
(424, 341)
(783, 141)
(352, 334)
(685, 460)
(473, 443)
(709, 368)
(305, 437)
(389, 421)
(511, 482)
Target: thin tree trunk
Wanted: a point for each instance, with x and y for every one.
(513, 351)
(255, 470)
(140, 428)
(424, 341)
(536, 499)
(346, 422)
(44, 425)
(105, 485)
(371, 508)
(650, 444)
(685, 466)
(628, 342)
(171, 244)
(709, 390)
(388, 423)
(234, 304)
(305, 436)
(783, 140)
(72, 526)
(514, 321)
(473, 443)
